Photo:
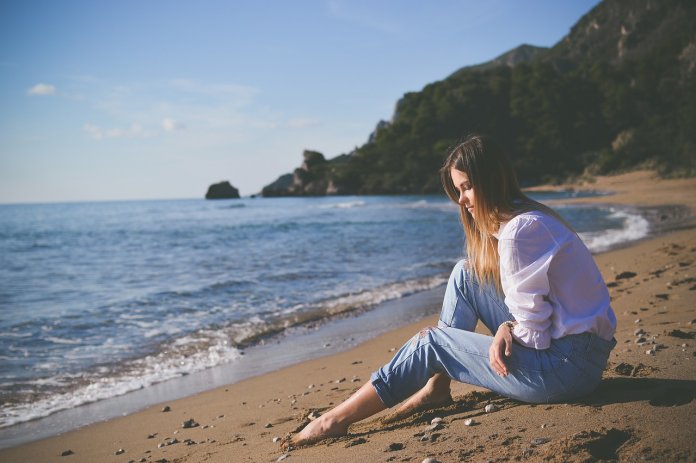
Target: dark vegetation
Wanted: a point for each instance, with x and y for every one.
(617, 93)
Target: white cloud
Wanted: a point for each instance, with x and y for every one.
(302, 122)
(42, 89)
(171, 125)
(94, 131)
(134, 131)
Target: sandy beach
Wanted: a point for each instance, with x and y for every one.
(644, 409)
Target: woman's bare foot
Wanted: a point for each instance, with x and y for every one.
(435, 393)
(363, 403)
(322, 428)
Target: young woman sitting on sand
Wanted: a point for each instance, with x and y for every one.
(528, 278)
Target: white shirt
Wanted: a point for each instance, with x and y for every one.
(552, 285)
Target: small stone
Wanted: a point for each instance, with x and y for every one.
(268, 425)
(143, 460)
(638, 332)
(433, 427)
(119, 452)
(490, 408)
(430, 460)
(637, 320)
(650, 352)
(283, 457)
(437, 419)
(66, 453)
(166, 409)
(311, 386)
(640, 340)
(469, 422)
(276, 439)
(313, 416)
(189, 424)
(340, 380)
(152, 436)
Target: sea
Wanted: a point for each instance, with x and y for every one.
(99, 299)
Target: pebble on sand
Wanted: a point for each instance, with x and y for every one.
(433, 427)
(490, 408)
(189, 424)
(435, 420)
(430, 460)
(469, 422)
(283, 457)
(166, 409)
(119, 452)
(66, 453)
(276, 439)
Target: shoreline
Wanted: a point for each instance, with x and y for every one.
(292, 380)
(72, 410)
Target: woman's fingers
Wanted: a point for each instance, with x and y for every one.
(495, 355)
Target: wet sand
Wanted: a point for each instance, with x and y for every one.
(643, 410)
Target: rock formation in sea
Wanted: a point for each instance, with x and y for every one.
(222, 190)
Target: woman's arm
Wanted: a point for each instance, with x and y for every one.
(526, 252)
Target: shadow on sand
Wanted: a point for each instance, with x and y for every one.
(658, 392)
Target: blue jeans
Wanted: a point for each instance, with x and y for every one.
(571, 367)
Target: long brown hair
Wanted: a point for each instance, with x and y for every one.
(498, 198)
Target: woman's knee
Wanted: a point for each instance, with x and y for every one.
(459, 272)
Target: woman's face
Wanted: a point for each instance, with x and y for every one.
(465, 189)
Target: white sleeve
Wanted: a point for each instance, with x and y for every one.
(525, 256)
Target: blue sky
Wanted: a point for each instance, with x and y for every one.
(104, 100)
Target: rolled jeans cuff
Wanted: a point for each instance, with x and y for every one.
(382, 390)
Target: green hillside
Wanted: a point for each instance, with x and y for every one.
(618, 92)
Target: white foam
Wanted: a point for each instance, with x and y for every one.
(57, 340)
(343, 205)
(634, 228)
(423, 204)
(383, 293)
(180, 360)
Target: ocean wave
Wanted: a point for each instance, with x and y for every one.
(425, 204)
(343, 205)
(635, 227)
(205, 348)
(56, 340)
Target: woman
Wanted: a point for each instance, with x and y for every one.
(528, 277)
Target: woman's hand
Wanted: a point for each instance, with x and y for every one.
(500, 348)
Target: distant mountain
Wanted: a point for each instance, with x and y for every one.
(521, 54)
(618, 92)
